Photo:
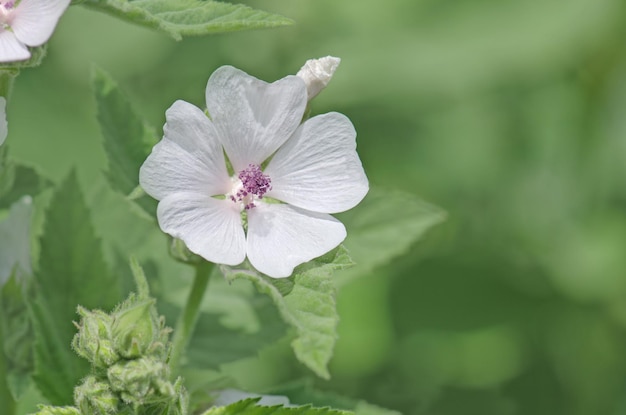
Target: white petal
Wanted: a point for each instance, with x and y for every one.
(317, 73)
(280, 237)
(3, 120)
(35, 20)
(12, 49)
(253, 117)
(318, 169)
(189, 158)
(209, 227)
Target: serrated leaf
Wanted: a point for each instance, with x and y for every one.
(15, 241)
(127, 138)
(71, 271)
(249, 406)
(24, 181)
(308, 306)
(304, 392)
(180, 18)
(384, 226)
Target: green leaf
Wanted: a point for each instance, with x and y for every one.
(180, 18)
(18, 336)
(71, 272)
(17, 180)
(248, 406)
(127, 138)
(303, 392)
(306, 301)
(384, 226)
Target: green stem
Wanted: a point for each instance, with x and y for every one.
(7, 78)
(189, 316)
(8, 404)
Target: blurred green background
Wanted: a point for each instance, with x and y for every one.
(509, 114)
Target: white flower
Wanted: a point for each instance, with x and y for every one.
(27, 23)
(4, 130)
(314, 170)
(317, 73)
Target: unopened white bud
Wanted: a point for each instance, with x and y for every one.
(317, 73)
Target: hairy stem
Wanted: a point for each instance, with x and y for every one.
(189, 316)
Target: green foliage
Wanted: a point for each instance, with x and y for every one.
(384, 226)
(248, 406)
(71, 271)
(306, 301)
(180, 18)
(304, 393)
(17, 180)
(127, 138)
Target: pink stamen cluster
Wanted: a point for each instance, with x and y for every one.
(254, 184)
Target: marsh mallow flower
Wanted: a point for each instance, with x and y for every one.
(287, 177)
(27, 23)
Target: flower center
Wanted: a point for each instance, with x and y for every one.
(251, 186)
(6, 11)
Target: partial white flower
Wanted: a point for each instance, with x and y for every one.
(314, 170)
(27, 23)
(317, 73)
(4, 128)
(15, 240)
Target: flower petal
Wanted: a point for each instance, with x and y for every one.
(253, 117)
(3, 120)
(12, 49)
(209, 227)
(318, 169)
(35, 20)
(189, 158)
(280, 237)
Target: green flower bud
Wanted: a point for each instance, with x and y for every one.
(142, 381)
(134, 328)
(57, 410)
(96, 398)
(93, 340)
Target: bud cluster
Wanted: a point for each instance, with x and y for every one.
(128, 351)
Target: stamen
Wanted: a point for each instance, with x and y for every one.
(254, 184)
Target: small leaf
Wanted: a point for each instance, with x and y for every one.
(384, 226)
(249, 406)
(127, 138)
(180, 18)
(72, 271)
(309, 305)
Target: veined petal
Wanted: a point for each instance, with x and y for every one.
(189, 158)
(209, 227)
(35, 20)
(280, 237)
(3, 120)
(253, 117)
(12, 49)
(318, 169)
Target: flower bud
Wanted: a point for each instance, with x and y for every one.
(180, 252)
(134, 329)
(93, 340)
(57, 410)
(141, 381)
(317, 73)
(95, 398)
